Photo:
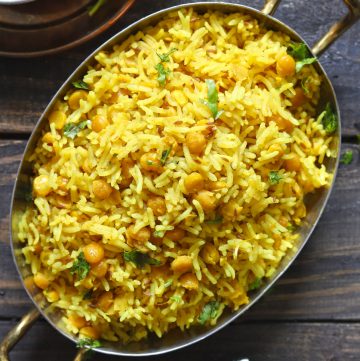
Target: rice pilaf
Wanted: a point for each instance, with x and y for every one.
(171, 182)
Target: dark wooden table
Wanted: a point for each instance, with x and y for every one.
(313, 312)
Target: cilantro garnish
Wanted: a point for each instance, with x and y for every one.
(274, 177)
(80, 267)
(168, 283)
(162, 73)
(301, 54)
(165, 58)
(209, 311)
(347, 157)
(165, 154)
(80, 84)
(255, 284)
(329, 120)
(303, 85)
(212, 99)
(94, 8)
(159, 234)
(140, 259)
(176, 299)
(291, 227)
(72, 129)
(88, 343)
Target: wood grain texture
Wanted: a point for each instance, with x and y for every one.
(255, 342)
(28, 84)
(323, 284)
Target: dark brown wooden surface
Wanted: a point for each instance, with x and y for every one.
(313, 312)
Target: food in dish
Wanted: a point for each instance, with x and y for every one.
(170, 180)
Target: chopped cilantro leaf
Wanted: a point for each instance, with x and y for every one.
(304, 86)
(255, 284)
(347, 157)
(72, 129)
(301, 54)
(168, 283)
(149, 162)
(274, 177)
(140, 259)
(329, 120)
(164, 156)
(217, 220)
(88, 343)
(165, 58)
(291, 227)
(162, 74)
(80, 84)
(94, 8)
(176, 299)
(80, 267)
(209, 311)
(159, 234)
(212, 99)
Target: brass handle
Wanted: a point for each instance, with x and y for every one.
(270, 6)
(14, 335)
(338, 28)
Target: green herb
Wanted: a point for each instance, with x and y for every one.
(88, 295)
(94, 8)
(164, 156)
(291, 227)
(159, 234)
(162, 74)
(80, 84)
(255, 284)
(300, 64)
(81, 267)
(72, 129)
(303, 85)
(329, 120)
(301, 54)
(88, 343)
(168, 283)
(165, 58)
(212, 99)
(140, 259)
(176, 299)
(274, 177)
(209, 311)
(347, 157)
(217, 220)
(149, 162)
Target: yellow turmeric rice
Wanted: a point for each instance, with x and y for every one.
(170, 180)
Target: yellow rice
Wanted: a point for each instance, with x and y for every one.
(240, 55)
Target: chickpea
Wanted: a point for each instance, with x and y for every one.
(142, 235)
(282, 123)
(90, 332)
(157, 204)
(299, 98)
(94, 252)
(58, 118)
(105, 301)
(182, 264)
(75, 97)
(207, 200)
(41, 281)
(150, 162)
(41, 185)
(99, 123)
(48, 138)
(215, 186)
(293, 164)
(196, 142)
(100, 269)
(77, 321)
(189, 281)
(210, 254)
(176, 234)
(285, 66)
(52, 296)
(194, 182)
(101, 189)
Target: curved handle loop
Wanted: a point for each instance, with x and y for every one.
(338, 28)
(16, 333)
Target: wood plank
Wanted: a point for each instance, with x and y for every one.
(255, 341)
(324, 283)
(28, 84)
